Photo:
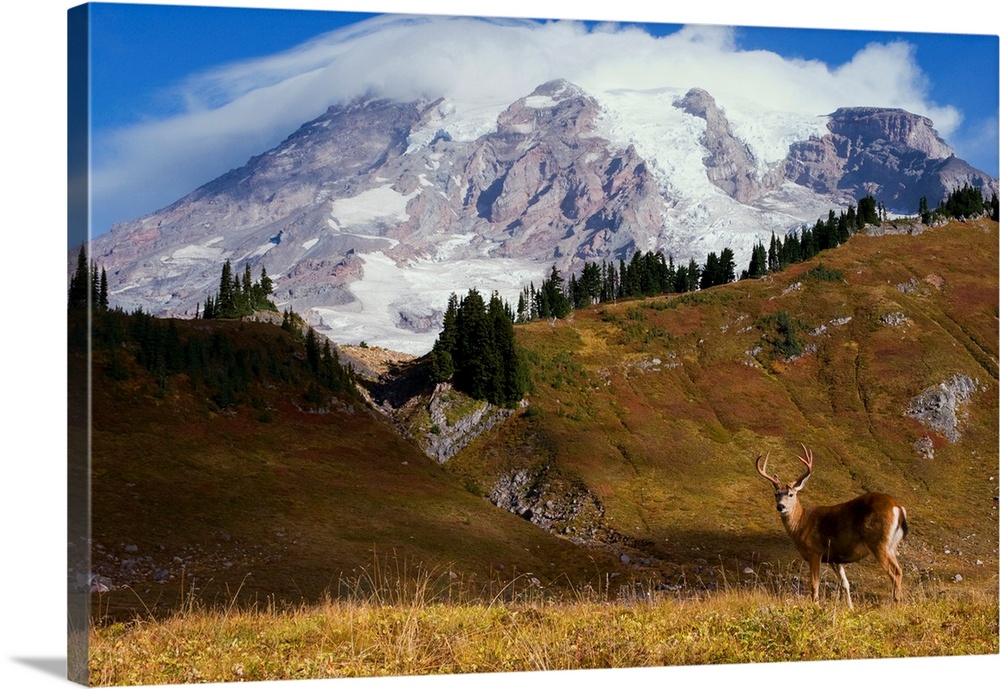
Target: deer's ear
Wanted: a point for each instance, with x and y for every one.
(800, 482)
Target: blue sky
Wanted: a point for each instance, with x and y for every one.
(166, 78)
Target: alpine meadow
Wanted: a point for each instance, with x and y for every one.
(284, 540)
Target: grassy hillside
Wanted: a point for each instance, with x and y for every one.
(637, 447)
(277, 495)
(659, 407)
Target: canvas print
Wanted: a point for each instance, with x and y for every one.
(446, 345)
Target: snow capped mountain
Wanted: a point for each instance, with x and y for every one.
(369, 216)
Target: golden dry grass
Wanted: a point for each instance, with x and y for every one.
(391, 632)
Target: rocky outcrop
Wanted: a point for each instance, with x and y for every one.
(549, 500)
(939, 407)
(730, 163)
(551, 189)
(894, 155)
(450, 432)
(438, 419)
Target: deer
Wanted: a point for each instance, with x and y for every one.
(840, 534)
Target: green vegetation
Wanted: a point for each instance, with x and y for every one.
(86, 288)
(215, 363)
(961, 204)
(822, 273)
(238, 298)
(476, 347)
(653, 274)
(644, 400)
(780, 332)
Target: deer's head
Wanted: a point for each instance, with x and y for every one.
(786, 494)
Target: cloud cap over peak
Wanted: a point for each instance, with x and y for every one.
(222, 116)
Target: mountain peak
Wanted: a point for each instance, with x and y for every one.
(383, 208)
(558, 102)
(894, 155)
(867, 125)
(558, 89)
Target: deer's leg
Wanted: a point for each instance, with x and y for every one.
(839, 569)
(814, 562)
(890, 564)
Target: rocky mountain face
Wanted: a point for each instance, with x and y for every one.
(730, 164)
(549, 187)
(369, 216)
(895, 156)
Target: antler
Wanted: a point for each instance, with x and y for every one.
(762, 468)
(808, 461)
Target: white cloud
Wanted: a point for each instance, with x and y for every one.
(239, 110)
(887, 74)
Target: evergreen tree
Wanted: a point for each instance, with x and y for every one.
(473, 358)
(966, 202)
(239, 297)
(225, 301)
(477, 350)
(575, 293)
(727, 266)
(556, 303)
(266, 286)
(693, 277)
(522, 306)
(590, 283)
(95, 286)
(102, 300)
(774, 255)
(867, 211)
(807, 246)
(509, 379)
(758, 261)
(88, 286)
(442, 354)
(312, 350)
(791, 250)
(79, 284)
(852, 219)
(710, 272)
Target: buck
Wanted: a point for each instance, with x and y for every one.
(840, 534)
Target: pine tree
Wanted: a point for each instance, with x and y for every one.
(867, 211)
(843, 229)
(710, 272)
(225, 301)
(693, 277)
(443, 353)
(312, 350)
(758, 262)
(209, 310)
(265, 287)
(473, 357)
(79, 284)
(508, 379)
(477, 350)
(727, 266)
(556, 303)
(774, 255)
(102, 300)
